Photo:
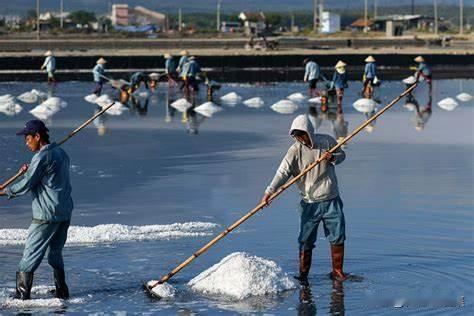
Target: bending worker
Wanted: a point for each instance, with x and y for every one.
(423, 71)
(98, 72)
(191, 71)
(50, 66)
(311, 75)
(47, 178)
(321, 201)
(135, 80)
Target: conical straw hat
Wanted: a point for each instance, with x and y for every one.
(48, 53)
(167, 56)
(184, 53)
(101, 61)
(419, 59)
(370, 59)
(340, 64)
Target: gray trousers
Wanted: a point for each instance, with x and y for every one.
(44, 237)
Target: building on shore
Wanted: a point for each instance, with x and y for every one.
(330, 22)
(123, 15)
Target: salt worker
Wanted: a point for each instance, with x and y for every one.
(339, 81)
(370, 73)
(184, 59)
(50, 66)
(99, 75)
(311, 75)
(170, 69)
(136, 80)
(191, 71)
(423, 71)
(320, 194)
(47, 178)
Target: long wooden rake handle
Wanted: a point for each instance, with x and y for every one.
(74, 132)
(277, 193)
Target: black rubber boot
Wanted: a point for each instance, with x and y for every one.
(305, 265)
(24, 282)
(62, 290)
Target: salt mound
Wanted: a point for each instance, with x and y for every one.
(448, 104)
(164, 290)
(181, 105)
(315, 100)
(10, 108)
(103, 100)
(11, 303)
(6, 98)
(240, 275)
(364, 105)
(44, 111)
(55, 103)
(91, 98)
(284, 107)
(207, 109)
(231, 98)
(256, 102)
(116, 233)
(464, 97)
(116, 109)
(31, 96)
(298, 96)
(409, 80)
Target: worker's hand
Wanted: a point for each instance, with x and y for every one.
(305, 80)
(328, 156)
(266, 199)
(24, 168)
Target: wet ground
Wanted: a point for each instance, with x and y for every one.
(407, 196)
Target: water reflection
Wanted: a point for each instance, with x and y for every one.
(99, 122)
(308, 307)
(335, 117)
(140, 104)
(422, 114)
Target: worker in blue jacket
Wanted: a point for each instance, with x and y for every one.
(423, 72)
(99, 76)
(191, 71)
(311, 76)
(47, 178)
(50, 66)
(370, 74)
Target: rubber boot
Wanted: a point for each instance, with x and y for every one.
(24, 281)
(337, 255)
(305, 265)
(62, 290)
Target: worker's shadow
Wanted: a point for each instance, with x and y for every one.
(307, 304)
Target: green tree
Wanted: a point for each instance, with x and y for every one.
(82, 17)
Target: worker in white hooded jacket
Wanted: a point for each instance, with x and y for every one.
(320, 194)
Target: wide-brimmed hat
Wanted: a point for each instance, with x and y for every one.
(48, 53)
(419, 59)
(340, 64)
(166, 55)
(184, 52)
(101, 61)
(370, 59)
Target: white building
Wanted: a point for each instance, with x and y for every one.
(330, 22)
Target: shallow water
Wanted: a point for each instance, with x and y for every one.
(407, 199)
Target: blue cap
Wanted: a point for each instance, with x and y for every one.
(33, 127)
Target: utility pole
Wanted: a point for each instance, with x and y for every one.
(180, 20)
(366, 28)
(38, 19)
(375, 9)
(461, 16)
(412, 7)
(292, 25)
(315, 16)
(436, 16)
(218, 17)
(61, 9)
